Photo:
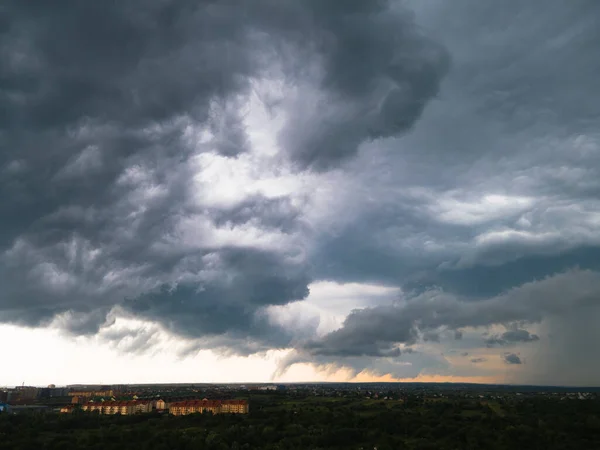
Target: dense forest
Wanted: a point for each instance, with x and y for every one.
(324, 423)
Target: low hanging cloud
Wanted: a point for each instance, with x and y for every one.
(511, 358)
(511, 337)
(378, 331)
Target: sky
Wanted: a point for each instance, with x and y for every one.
(299, 190)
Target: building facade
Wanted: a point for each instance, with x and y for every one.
(180, 408)
(213, 406)
(88, 394)
(118, 407)
(235, 407)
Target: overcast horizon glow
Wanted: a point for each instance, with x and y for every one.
(198, 191)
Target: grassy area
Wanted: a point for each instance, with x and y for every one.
(494, 406)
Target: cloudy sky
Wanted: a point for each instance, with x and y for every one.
(293, 190)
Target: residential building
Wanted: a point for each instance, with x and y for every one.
(234, 407)
(119, 407)
(88, 394)
(212, 406)
(178, 408)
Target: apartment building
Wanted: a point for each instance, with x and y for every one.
(212, 406)
(88, 394)
(119, 407)
(160, 405)
(235, 407)
(180, 408)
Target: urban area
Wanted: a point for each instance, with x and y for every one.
(123, 400)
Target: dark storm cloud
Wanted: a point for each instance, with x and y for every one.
(349, 348)
(492, 279)
(379, 73)
(493, 192)
(511, 358)
(479, 210)
(382, 328)
(252, 280)
(277, 213)
(489, 133)
(517, 119)
(101, 104)
(478, 360)
(511, 337)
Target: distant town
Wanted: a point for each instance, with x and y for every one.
(120, 399)
(184, 399)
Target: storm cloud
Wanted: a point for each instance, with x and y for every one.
(511, 337)
(200, 166)
(109, 113)
(379, 330)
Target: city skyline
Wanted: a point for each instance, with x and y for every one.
(293, 191)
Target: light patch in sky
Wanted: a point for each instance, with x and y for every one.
(45, 356)
(475, 211)
(329, 303)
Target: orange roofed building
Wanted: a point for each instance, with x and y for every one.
(214, 406)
